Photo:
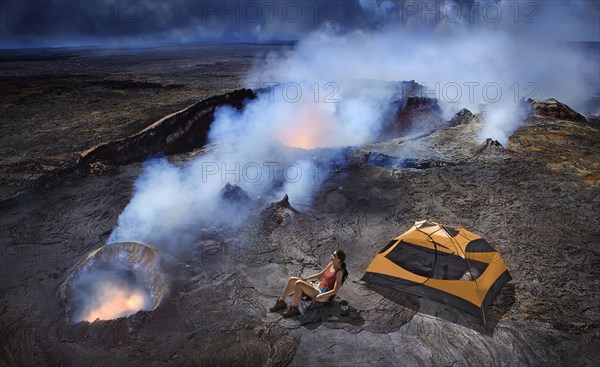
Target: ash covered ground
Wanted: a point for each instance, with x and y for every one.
(76, 98)
(536, 200)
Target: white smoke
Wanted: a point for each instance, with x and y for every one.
(474, 68)
(335, 89)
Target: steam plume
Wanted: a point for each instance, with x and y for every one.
(334, 89)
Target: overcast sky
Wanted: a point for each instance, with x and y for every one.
(55, 23)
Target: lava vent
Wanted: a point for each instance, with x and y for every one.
(116, 280)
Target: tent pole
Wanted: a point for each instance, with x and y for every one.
(484, 318)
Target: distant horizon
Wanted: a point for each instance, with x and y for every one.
(290, 42)
(151, 45)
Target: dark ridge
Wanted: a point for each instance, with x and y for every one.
(386, 161)
(131, 84)
(35, 55)
(180, 132)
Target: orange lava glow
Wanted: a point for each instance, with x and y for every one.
(308, 129)
(116, 302)
(300, 139)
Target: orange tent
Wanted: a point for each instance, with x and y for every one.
(448, 265)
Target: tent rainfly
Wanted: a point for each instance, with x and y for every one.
(448, 265)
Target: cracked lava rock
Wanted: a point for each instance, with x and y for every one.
(536, 200)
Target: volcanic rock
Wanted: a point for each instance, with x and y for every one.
(386, 161)
(554, 109)
(539, 209)
(100, 168)
(234, 194)
(489, 146)
(414, 114)
(279, 213)
(463, 116)
(178, 132)
(217, 309)
(420, 113)
(284, 203)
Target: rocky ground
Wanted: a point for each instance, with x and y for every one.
(55, 103)
(536, 201)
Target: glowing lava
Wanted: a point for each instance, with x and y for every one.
(299, 138)
(116, 301)
(113, 281)
(309, 128)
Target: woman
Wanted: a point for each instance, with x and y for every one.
(333, 276)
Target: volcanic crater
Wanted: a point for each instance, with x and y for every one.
(536, 200)
(116, 280)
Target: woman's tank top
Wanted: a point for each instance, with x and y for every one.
(328, 279)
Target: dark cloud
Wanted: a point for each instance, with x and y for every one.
(68, 22)
(38, 23)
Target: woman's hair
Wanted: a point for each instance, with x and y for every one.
(342, 256)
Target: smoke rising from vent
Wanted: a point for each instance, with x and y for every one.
(263, 150)
(335, 89)
(474, 68)
(114, 281)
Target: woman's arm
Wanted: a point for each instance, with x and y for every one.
(315, 276)
(336, 288)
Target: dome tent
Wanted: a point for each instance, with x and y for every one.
(448, 265)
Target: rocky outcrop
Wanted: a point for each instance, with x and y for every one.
(178, 132)
(554, 109)
(411, 112)
(279, 213)
(418, 113)
(382, 160)
(234, 194)
(463, 116)
(489, 146)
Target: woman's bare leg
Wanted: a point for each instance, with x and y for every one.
(303, 287)
(289, 288)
